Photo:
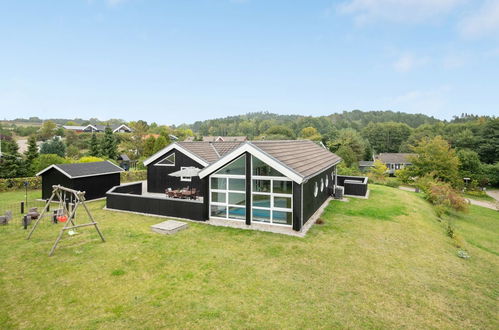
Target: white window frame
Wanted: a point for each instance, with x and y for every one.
(271, 194)
(174, 160)
(322, 184)
(185, 178)
(226, 191)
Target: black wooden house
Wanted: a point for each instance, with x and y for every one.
(95, 178)
(254, 184)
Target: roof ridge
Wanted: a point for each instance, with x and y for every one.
(214, 149)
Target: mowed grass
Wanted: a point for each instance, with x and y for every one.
(385, 262)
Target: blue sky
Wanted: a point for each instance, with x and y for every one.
(186, 60)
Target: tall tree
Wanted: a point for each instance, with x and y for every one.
(47, 130)
(310, 133)
(11, 163)
(54, 146)
(489, 144)
(109, 145)
(31, 154)
(386, 137)
(435, 157)
(350, 144)
(93, 147)
(160, 143)
(149, 145)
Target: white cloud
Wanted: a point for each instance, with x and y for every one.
(485, 21)
(421, 101)
(409, 62)
(453, 61)
(401, 11)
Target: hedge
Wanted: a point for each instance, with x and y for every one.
(35, 182)
(12, 184)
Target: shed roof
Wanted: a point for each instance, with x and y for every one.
(394, 158)
(79, 170)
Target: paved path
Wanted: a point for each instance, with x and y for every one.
(493, 193)
(489, 205)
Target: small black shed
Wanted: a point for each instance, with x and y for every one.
(95, 178)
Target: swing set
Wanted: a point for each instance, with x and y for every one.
(66, 213)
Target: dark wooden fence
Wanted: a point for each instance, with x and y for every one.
(129, 197)
(353, 185)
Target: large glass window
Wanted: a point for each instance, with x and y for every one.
(228, 191)
(282, 187)
(261, 185)
(219, 183)
(236, 167)
(237, 184)
(262, 169)
(272, 195)
(261, 200)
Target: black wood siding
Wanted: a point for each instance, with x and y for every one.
(159, 206)
(94, 186)
(356, 189)
(54, 177)
(297, 206)
(310, 203)
(158, 179)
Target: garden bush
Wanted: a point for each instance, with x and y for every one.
(442, 194)
(131, 176)
(18, 183)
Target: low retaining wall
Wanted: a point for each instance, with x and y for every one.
(129, 198)
(353, 185)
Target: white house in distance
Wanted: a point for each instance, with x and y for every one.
(394, 161)
(121, 128)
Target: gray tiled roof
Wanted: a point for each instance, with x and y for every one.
(76, 170)
(302, 156)
(224, 138)
(209, 151)
(305, 157)
(394, 158)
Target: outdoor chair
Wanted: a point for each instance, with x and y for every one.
(194, 193)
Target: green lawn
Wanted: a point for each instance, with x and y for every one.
(377, 263)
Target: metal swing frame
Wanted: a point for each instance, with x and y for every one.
(79, 199)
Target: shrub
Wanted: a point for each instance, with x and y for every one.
(132, 176)
(18, 183)
(45, 160)
(393, 183)
(442, 194)
(90, 159)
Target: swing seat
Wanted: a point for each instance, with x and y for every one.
(62, 218)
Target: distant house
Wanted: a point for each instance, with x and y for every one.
(365, 165)
(121, 128)
(394, 161)
(219, 139)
